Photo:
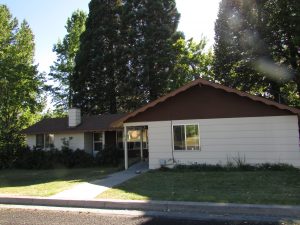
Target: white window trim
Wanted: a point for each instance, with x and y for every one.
(186, 150)
(103, 140)
(44, 137)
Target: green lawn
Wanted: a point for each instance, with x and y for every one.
(46, 182)
(255, 187)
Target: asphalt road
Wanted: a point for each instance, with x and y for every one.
(19, 216)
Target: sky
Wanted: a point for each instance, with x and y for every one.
(47, 19)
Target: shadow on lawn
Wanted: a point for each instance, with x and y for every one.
(18, 178)
(254, 187)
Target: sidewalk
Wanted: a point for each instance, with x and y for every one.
(90, 190)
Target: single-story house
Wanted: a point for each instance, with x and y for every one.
(89, 133)
(201, 122)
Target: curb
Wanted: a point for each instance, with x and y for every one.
(278, 211)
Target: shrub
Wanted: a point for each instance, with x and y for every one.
(80, 159)
(109, 156)
(32, 159)
(7, 158)
(40, 159)
(237, 167)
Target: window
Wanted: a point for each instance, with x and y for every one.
(186, 137)
(98, 141)
(40, 141)
(49, 140)
(45, 140)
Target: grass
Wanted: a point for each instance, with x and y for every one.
(254, 187)
(46, 182)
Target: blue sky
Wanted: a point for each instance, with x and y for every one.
(47, 19)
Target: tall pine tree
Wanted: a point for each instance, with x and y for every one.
(152, 32)
(94, 81)
(236, 41)
(126, 56)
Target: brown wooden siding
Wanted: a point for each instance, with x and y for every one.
(204, 102)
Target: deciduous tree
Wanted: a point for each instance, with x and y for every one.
(20, 83)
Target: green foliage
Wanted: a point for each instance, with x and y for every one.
(131, 53)
(282, 35)
(193, 61)
(63, 67)
(95, 79)
(109, 156)
(255, 48)
(75, 159)
(20, 83)
(151, 29)
(25, 158)
(236, 167)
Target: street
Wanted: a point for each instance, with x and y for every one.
(56, 216)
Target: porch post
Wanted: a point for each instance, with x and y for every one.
(125, 148)
(141, 145)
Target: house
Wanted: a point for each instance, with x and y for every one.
(205, 122)
(201, 122)
(88, 133)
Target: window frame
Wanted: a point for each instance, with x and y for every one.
(46, 144)
(103, 141)
(50, 143)
(185, 142)
(36, 141)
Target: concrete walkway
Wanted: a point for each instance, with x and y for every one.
(89, 190)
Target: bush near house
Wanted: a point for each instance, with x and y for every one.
(26, 158)
(109, 156)
(234, 167)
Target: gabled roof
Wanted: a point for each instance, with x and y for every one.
(200, 82)
(88, 123)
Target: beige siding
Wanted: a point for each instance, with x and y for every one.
(31, 141)
(76, 141)
(257, 139)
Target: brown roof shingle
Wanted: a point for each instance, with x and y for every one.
(60, 125)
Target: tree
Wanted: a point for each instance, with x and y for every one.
(282, 35)
(193, 62)
(63, 67)
(95, 78)
(126, 56)
(236, 45)
(152, 33)
(20, 83)
(250, 39)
